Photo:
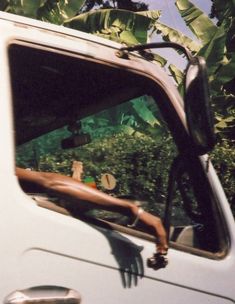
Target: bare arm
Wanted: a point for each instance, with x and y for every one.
(68, 186)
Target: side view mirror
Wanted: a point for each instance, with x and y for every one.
(197, 98)
(197, 106)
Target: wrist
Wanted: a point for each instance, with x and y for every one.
(137, 211)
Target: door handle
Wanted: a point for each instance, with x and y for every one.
(44, 295)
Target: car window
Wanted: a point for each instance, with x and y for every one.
(102, 126)
(129, 154)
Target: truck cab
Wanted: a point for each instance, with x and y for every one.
(82, 106)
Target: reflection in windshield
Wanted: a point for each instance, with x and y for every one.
(129, 154)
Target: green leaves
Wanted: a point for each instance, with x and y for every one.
(119, 25)
(170, 34)
(178, 76)
(221, 65)
(142, 110)
(225, 73)
(159, 59)
(197, 21)
(56, 11)
(220, 68)
(23, 7)
(223, 123)
(223, 10)
(214, 50)
(223, 158)
(212, 37)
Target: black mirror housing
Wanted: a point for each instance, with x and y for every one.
(75, 141)
(197, 106)
(197, 97)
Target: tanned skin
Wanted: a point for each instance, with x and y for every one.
(68, 187)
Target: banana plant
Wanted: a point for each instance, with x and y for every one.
(54, 11)
(120, 25)
(170, 34)
(220, 62)
(211, 44)
(134, 28)
(22, 7)
(57, 11)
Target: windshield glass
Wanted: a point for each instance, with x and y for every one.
(129, 153)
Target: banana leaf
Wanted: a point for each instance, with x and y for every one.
(144, 113)
(212, 36)
(224, 10)
(199, 23)
(214, 51)
(56, 11)
(224, 123)
(22, 7)
(178, 76)
(171, 34)
(160, 60)
(176, 73)
(227, 72)
(121, 25)
(154, 15)
(224, 74)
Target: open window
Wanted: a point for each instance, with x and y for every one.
(112, 129)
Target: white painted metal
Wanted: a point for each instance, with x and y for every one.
(42, 247)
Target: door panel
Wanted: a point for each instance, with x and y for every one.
(41, 247)
(58, 250)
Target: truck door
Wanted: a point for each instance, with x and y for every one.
(129, 137)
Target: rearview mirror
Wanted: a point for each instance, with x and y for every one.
(197, 106)
(75, 141)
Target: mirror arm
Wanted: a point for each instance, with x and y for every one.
(141, 47)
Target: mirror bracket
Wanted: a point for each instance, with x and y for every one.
(197, 96)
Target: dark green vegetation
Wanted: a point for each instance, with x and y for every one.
(124, 157)
(223, 158)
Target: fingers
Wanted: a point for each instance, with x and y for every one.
(162, 249)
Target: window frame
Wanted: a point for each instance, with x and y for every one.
(169, 111)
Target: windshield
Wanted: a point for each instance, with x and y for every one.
(129, 154)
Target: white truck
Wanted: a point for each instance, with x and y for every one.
(66, 94)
